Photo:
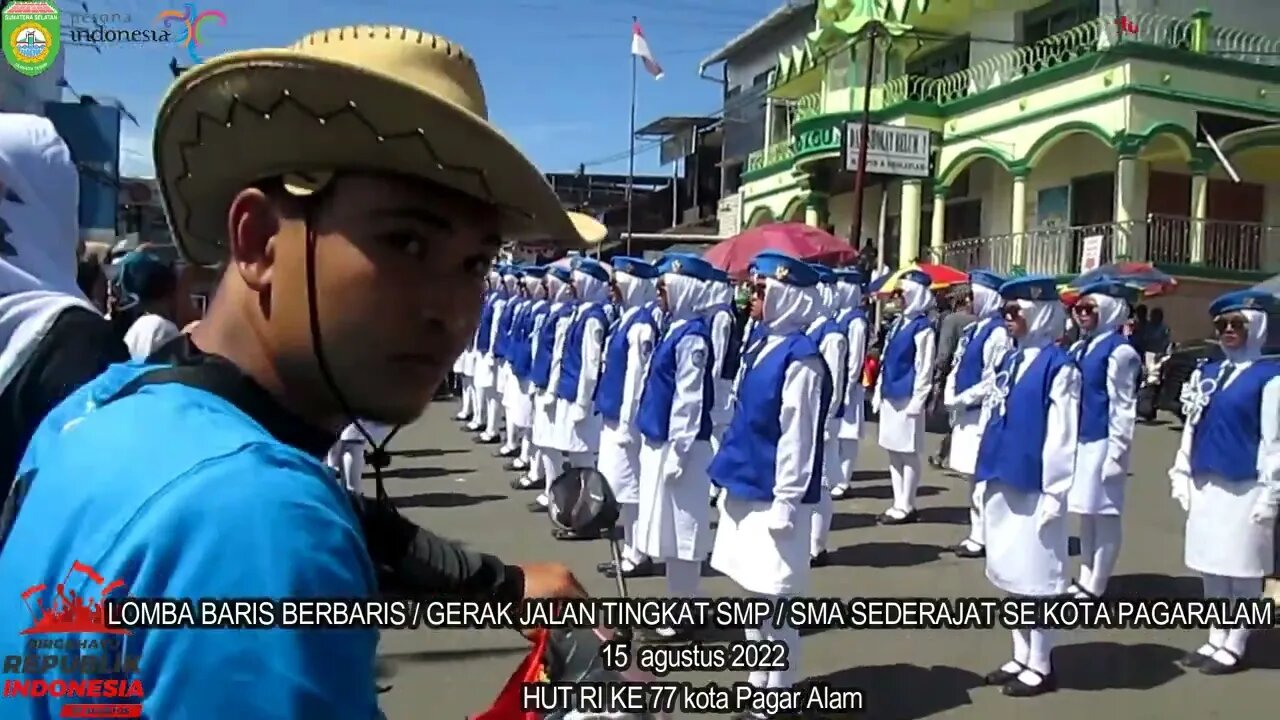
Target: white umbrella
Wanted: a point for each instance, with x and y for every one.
(1272, 286)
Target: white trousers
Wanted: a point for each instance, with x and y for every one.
(1100, 537)
(1231, 639)
(977, 501)
(904, 475)
(786, 635)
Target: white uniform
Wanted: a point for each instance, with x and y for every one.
(763, 545)
(485, 377)
(346, 457)
(465, 367)
(1027, 528)
(675, 518)
(965, 405)
(517, 400)
(619, 459)
(834, 348)
(147, 334)
(1231, 523)
(577, 427)
(849, 428)
(902, 429)
(545, 428)
(1102, 465)
(511, 287)
(720, 293)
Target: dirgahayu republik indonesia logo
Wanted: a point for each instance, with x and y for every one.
(67, 611)
(33, 32)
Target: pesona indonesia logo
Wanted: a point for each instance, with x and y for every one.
(188, 26)
(70, 651)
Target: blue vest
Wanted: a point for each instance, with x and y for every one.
(1012, 448)
(486, 325)
(505, 321)
(522, 337)
(653, 418)
(898, 373)
(839, 377)
(744, 466)
(972, 358)
(540, 367)
(1095, 401)
(609, 390)
(1226, 437)
(571, 359)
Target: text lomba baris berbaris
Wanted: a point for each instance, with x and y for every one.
(856, 613)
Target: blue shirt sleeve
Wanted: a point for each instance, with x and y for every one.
(262, 522)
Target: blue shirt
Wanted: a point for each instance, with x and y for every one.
(179, 494)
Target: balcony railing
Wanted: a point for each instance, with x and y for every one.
(770, 154)
(1223, 245)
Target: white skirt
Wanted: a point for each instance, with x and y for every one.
(1091, 493)
(758, 559)
(517, 400)
(485, 371)
(900, 432)
(1220, 539)
(966, 437)
(850, 426)
(465, 364)
(576, 435)
(675, 518)
(544, 422)
(619, 463)
(1022, 558)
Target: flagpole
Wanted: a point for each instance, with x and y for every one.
(631, 154)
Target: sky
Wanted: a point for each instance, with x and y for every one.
(557, 73)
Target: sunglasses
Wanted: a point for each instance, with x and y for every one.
(1082, 309)
(1237, 324)
(1011, 312)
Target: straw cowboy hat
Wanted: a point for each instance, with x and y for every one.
(368, 98)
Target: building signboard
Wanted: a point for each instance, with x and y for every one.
(893, 150)
(729, 215)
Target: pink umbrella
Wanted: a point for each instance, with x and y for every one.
(803, 242)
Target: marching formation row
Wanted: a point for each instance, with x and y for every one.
(646, 373)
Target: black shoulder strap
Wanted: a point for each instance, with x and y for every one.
(208, 377)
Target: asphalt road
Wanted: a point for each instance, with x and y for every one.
(444, 482)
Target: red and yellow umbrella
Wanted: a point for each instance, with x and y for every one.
(943, 276)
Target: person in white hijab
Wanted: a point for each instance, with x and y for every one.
(674, 420)
(770, 464)
(52, 338)
(485, 376)
(833, 344)
(982, 345)
(852, 318)
(720, 316)
(518, 398)
(469, 411)
(1226, 474)
(346, 457)
(902, 390)
(626, 360)
(513, 290)
(548, 349)
(1026, 460)
(1109, 369)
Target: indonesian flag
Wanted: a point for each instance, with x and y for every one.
(640, 49)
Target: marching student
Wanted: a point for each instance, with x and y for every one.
(626, 359)
(720, 316)
(902, 389)
(346, 457)
(674, 420)
(513, 289)
(770, 464)
(485, 378)
(1226, 474)
(833, 345)
(465, 367)
(577, 371)
(520, 399)
(546, 363)
(982, 345)
(1109, 369)
(1026, 459)
(852, 319)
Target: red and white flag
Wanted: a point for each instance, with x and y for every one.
(640, 49)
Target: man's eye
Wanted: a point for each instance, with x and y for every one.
(478, 266)
(410, 243)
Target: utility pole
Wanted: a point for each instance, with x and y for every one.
(864, 136)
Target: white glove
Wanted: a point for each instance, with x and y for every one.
(1111, 471)
(577, 413)
(1264, 510)
(875, 401)
(781, 517)
(1049, 509)
(626, 436)
(546, 400)
(914, 409)
(1180, 490)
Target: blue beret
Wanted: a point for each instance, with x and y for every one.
(635, 267)
(917, 276)
(534, 271)
(718, 275)
(1259, 300)
(686, 265)
(1040, 288)
(560, 272)
(852, 276)
(784, 269)
(825, 274)
(591, 268)
(508, 269)
(1110, 288)
(986, 279)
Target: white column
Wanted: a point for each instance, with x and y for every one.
(1130, 210)
(909, 229)
(1199, 210)
(811, 217)
(1018, 223)
(936, 242)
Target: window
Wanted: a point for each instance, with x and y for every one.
(761, 78)
(950, 57)
(783, 117)
(1055, 17)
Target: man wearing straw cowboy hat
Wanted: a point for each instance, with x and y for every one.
(359, 195)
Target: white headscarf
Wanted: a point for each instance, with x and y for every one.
(494, 280)
(534, 287)
(39, 201)
(510, 283)
(1045, 320)
(788, 308)
(1255, 339)
(917, 299)
(635, 291)
(558, 291)
(1112, 312)
(686, 296)
(590, 289)
(986, 302)
(848, 295)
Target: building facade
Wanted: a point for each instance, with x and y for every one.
(92, 132)
(1024, 134)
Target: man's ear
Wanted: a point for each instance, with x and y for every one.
(253, 223)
